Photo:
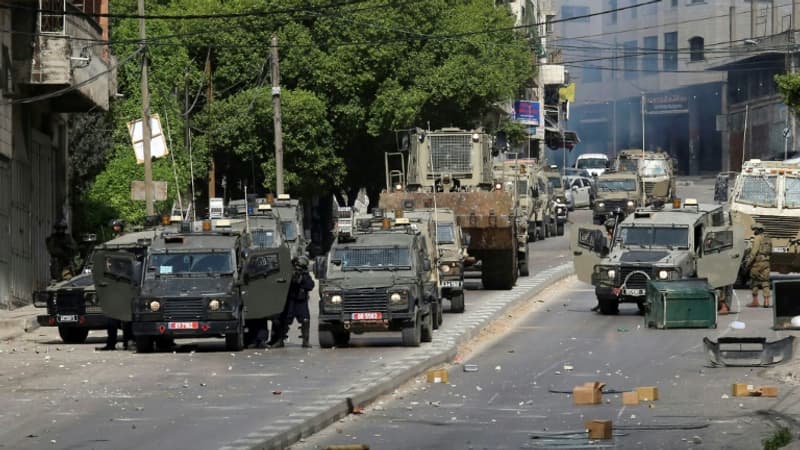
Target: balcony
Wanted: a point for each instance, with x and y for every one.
(67, 51)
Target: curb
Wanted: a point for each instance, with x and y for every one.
(444, 348)
(11, 328)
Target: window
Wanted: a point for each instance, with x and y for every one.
(634, 11)
(696, 52)
(612, 17)
(650, 58)
(670, 58)
(758, 190)
(631, 62)
(569, 12)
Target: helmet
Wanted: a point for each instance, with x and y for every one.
(757, 226)
(117, 223)
(61, 224)
(301, 261)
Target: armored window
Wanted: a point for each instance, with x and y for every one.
(646, 237)
(444, 233)
(119, 268)
(262, 265)
(372, 257)
(263, 238)
(717, 241)
(758, 190)
(616, 185)
(792, 193)
(654, 167)
(191, 262)
(289, 229)
(451, 153)
(555, 182)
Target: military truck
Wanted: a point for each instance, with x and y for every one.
(618, 194)
(768, 192)
(655, 170)
(452, 168)
(377, 279)
(534, 197)
(669, 243)
(193, 285)
(72, 305)
(560, 206)
(450, 254)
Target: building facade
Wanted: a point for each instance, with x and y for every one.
(53, 64)
(645, 75)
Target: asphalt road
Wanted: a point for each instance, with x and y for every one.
(200, 396)
(509, 402)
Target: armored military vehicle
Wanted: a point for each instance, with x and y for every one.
(768, 192)
(534, 197)
(514, 177)
(193, 285)
(377, 279)
(560, 205)
(655, 171)
(72, 305)
(618, 194)
(450, 253)
(452, 168)
(671, 243)
(290, 212)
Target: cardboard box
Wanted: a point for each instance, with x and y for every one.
(647, 393)
(630, 398)
(743, 389)
(598, 429)
(588, 393)
(767, 391)
(437, 376)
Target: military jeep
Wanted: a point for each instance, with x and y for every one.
(672, 242)
(618, 194)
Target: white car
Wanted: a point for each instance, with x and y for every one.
(594, 163)
(579, 192)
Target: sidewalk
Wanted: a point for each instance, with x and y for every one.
(16, 322)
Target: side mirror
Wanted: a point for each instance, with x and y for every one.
(426, 265)
(319, 267)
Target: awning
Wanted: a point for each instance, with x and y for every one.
(555, 138)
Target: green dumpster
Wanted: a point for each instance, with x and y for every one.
(785, 299)
(690, 303)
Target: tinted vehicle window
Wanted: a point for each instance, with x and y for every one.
(616, 185)
(194, 262)
(444, 233)
(655, 236)
(372, 257)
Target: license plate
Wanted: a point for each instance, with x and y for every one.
(451, 284)
(367, 316)
(67, 318)
(633, 292)
(182, 325)
(780, 250)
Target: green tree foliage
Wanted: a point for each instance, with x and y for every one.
(789, 90)
(351, 75)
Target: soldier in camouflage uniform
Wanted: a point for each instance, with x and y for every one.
(62, 249)
(758, 263)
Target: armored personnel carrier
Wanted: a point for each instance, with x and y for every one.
(655, 171)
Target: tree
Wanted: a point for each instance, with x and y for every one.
(789, 90)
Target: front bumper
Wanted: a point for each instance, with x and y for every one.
(204, 328)
(89, 321)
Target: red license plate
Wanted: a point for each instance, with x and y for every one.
(367, 316)
(183, 325)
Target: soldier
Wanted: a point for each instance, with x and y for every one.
(62, 249)
(296, 304)
(113, 325)
(758, 265)
(610, 224)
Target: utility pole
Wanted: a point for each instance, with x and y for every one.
(212, 170)
(146, 133)
(276, 114)
(643, 124)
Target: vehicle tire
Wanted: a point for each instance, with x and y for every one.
(523, 269)
(457, 303)
(326, 337)
(438, 319)
(608, 306)
(426, 330)
(72, 335)
(234, 342)
(533, 234)
(498, 272)
(144, 344)
(412, 332)
(560, 229)
(164, 344)
(341, 338)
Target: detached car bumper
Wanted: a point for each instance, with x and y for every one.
(90, 321)
(189, 329)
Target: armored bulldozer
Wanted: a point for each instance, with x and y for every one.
(655, 170)
(452, 168)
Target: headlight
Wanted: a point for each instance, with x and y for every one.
(630, 203)
(444, 268)
(611, 273)
(214, 305)
(601, 205)
(154, 305)
(498, 186)
(336, 299)
(663, 274)
(398, 297)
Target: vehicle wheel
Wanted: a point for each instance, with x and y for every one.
(438, 319)
(234, 342)
(426, 332)
(553, 228)
(533, 234)
(164, 344)
(523, 269)
(457, 303)
(560, 229)
(326, 338)
(608, 306)
(72, 335)
(341, 338)
(144, 344)
(498, 272)
(412, 332)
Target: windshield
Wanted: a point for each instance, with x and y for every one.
(654, 167)
(628, 165)
(655, 236)
(444, 233)
(289, 229)
(372, 258)
(555, 182)
(194, 262)
(792, 193)
(263, 238)
(758, 190)
(592, 163)
(616, 185)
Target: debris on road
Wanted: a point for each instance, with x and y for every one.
(630, 398)
(647, 393)
(599, 429)
(749, 390)
(470, 368)
(588, 393)
(437, 376)
(748, 351)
